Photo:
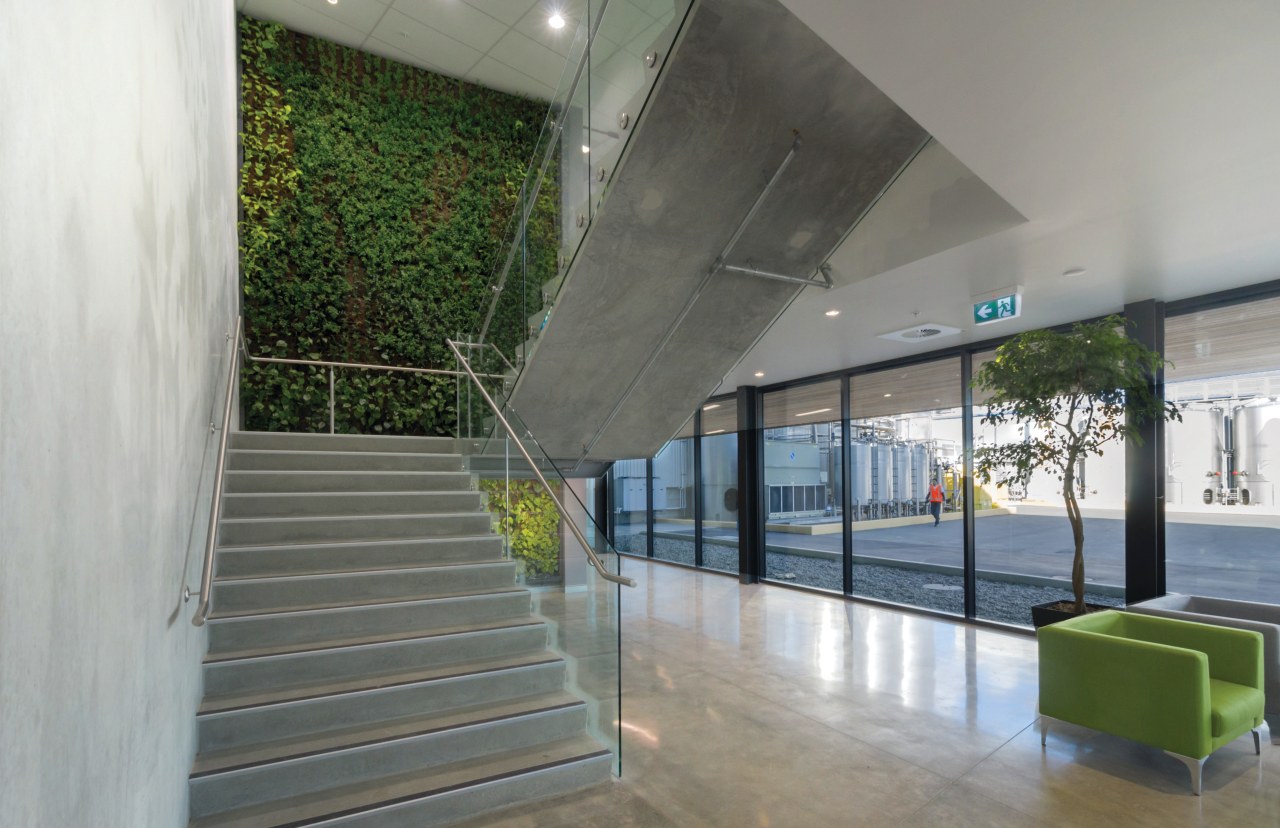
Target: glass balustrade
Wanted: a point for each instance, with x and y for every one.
(579, 605)
(613, 60)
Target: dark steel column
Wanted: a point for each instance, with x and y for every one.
(1144, 542)
(697, 487)
(751, 503)
(648, 506)
(970, 547)
(603, 514)
(846, 482)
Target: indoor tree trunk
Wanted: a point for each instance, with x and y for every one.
(1077, 534)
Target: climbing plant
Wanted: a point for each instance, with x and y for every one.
(528, 517)
(375, 199)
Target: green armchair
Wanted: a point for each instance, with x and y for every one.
(1183, 687)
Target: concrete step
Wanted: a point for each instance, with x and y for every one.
(349, 503)
(229, 682)
(271, 460)
(438, 795)
(255, 699)
(452, 688)
(239, 757)
(243, 596)
(293, 441)
(384, 754)
(238, 482)
(266, 633)
(302, 559)
(255, 531)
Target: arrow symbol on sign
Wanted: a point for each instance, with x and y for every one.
(984, 311)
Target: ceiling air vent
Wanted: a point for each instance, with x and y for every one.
(916, 333)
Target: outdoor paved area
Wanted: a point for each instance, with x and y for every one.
(1230, 561)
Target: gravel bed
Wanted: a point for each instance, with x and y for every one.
(997, 600)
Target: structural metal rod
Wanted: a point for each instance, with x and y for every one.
(573, 527)
(495, 348)
(215, 511)
(823, 270)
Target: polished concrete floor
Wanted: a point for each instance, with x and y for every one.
(765, 706)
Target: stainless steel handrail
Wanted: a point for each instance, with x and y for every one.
(215, 511)
(573, 527)
(330, 364)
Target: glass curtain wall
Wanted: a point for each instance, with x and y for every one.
(629, 505)
(1222, 462)
(1023, 542)
(719, 485)
(674, 488)
(804, 537)
(906, 434)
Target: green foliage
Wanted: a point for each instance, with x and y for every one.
(375, 199)
(1081, 390)
(530, 520)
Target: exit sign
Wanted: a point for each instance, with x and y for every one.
(1008, 306)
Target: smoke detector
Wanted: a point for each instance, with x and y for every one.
(918, 333)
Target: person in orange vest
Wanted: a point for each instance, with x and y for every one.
(935, 501)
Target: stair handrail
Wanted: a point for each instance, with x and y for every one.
(215, 511)
(592, 558)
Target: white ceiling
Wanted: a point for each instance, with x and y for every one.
(1138, 139)
(502, 44)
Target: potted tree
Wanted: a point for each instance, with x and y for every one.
(1080, 391)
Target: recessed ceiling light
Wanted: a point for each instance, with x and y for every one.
(815, 411)
(333, 2)
(711, 406)
(888, 395)
(833, 312)
(1073, 271)
(556, 21)
(585, 149)
(759, 373)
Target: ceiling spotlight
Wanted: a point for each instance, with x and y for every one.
(556, 21)
(1073, 271)
(759, 373)
(833, 312)
(585, 149)
(888, 395)
(333, 2)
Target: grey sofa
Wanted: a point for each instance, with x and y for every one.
(1243, 615)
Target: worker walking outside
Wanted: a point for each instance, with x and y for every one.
(935, 501)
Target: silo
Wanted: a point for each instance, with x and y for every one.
(881, 470)
(902, 472)
(859, 476)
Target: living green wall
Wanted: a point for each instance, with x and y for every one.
(375, 197)
(528, 517)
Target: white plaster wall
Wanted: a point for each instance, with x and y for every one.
(117, 283)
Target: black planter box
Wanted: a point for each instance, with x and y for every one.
(1042, 615)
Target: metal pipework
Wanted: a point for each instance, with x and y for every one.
(824, 270)
(215, 511)
(592, 558)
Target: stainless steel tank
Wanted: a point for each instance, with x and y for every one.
(860, 473)
(881, 472)
(921, 468)
(901, 471)
(1257, 447)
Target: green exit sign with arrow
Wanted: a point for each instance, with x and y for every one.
(1006, 306)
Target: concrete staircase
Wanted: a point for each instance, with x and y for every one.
(371, 660)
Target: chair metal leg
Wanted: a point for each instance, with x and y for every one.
(1196, 766)
(1257, 741)
(1044, 730)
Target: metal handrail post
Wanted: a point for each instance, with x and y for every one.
(330, 399)
(215, 511)
(595, 561)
